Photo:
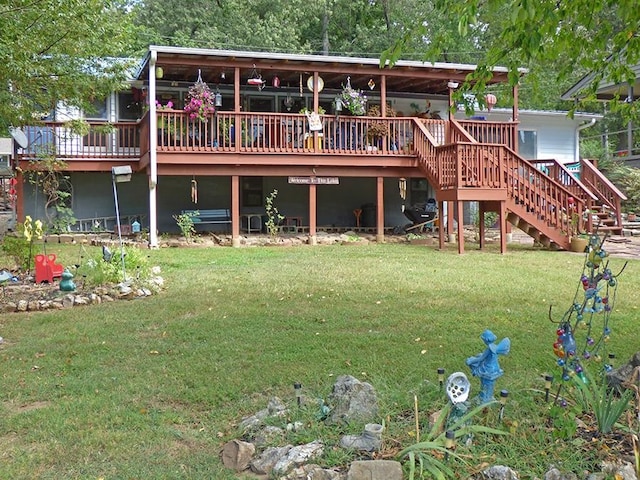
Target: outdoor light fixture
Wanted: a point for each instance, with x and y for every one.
(449, 442)
(217, 98)
(297, 387)
(548, 380)
(503, 401)
(452, 85)
(441, 377)
(120, 174)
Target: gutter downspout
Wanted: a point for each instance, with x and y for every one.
(153, 148)
(579, 128)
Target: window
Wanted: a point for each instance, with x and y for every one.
(251, 191)
(528, 144)
(98, 110)
(128, 107)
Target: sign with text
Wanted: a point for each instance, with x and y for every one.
(314, 180)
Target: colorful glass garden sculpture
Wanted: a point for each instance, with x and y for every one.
(584, 329)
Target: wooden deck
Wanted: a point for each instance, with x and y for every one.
(462, 160)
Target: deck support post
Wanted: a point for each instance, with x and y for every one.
(380, 210)
(441, 224)
(504, 227)
(460, 215)
(313, 239)
(235, 211)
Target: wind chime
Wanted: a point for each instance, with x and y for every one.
(402, 186)
(194, 190)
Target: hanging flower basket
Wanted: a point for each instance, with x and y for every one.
(200, 101)
(353, 101)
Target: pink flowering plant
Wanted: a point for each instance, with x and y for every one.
(353, 100)
(200, 101)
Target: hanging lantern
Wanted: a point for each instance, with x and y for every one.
(491, 100)
(217, 98)
(371, 84)
(275, 82)
(159, 72)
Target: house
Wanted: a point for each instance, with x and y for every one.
(624, 143)
(330, 171)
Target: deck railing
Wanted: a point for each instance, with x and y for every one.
(501, 133)
(289, 133)
(102, 141)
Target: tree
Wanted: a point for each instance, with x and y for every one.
(599, 36)
(53, 51)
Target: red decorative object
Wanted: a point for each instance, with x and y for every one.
(47, 269)
(491, 100)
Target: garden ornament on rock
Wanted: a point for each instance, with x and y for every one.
(485, 365)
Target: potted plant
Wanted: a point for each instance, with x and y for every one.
(579, 240)
(377, 130)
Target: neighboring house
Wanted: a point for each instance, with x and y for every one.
(623, 144)
(258, 142)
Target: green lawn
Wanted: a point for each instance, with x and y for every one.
(153, 388)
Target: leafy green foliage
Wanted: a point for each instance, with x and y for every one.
(563, 421)
(60, 50)
(185, 223)
(596, 397)
(98, 271)
(18, 248)
(273, 215)
(428, 454)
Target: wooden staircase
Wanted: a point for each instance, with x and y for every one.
(542, 198)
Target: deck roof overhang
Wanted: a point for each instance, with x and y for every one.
(293, 70)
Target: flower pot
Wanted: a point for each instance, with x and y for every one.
(579, 244)
(631, 217)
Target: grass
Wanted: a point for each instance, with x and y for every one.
(153, 388)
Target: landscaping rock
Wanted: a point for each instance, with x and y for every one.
(237, 455)
(617, 377)
(299, 455)
(352, 400)
(275, 408)
(497, 472)
(263, 465)
(267, 435)
(375, 470)
(619, 470)
(313, 472)
(555, 474)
